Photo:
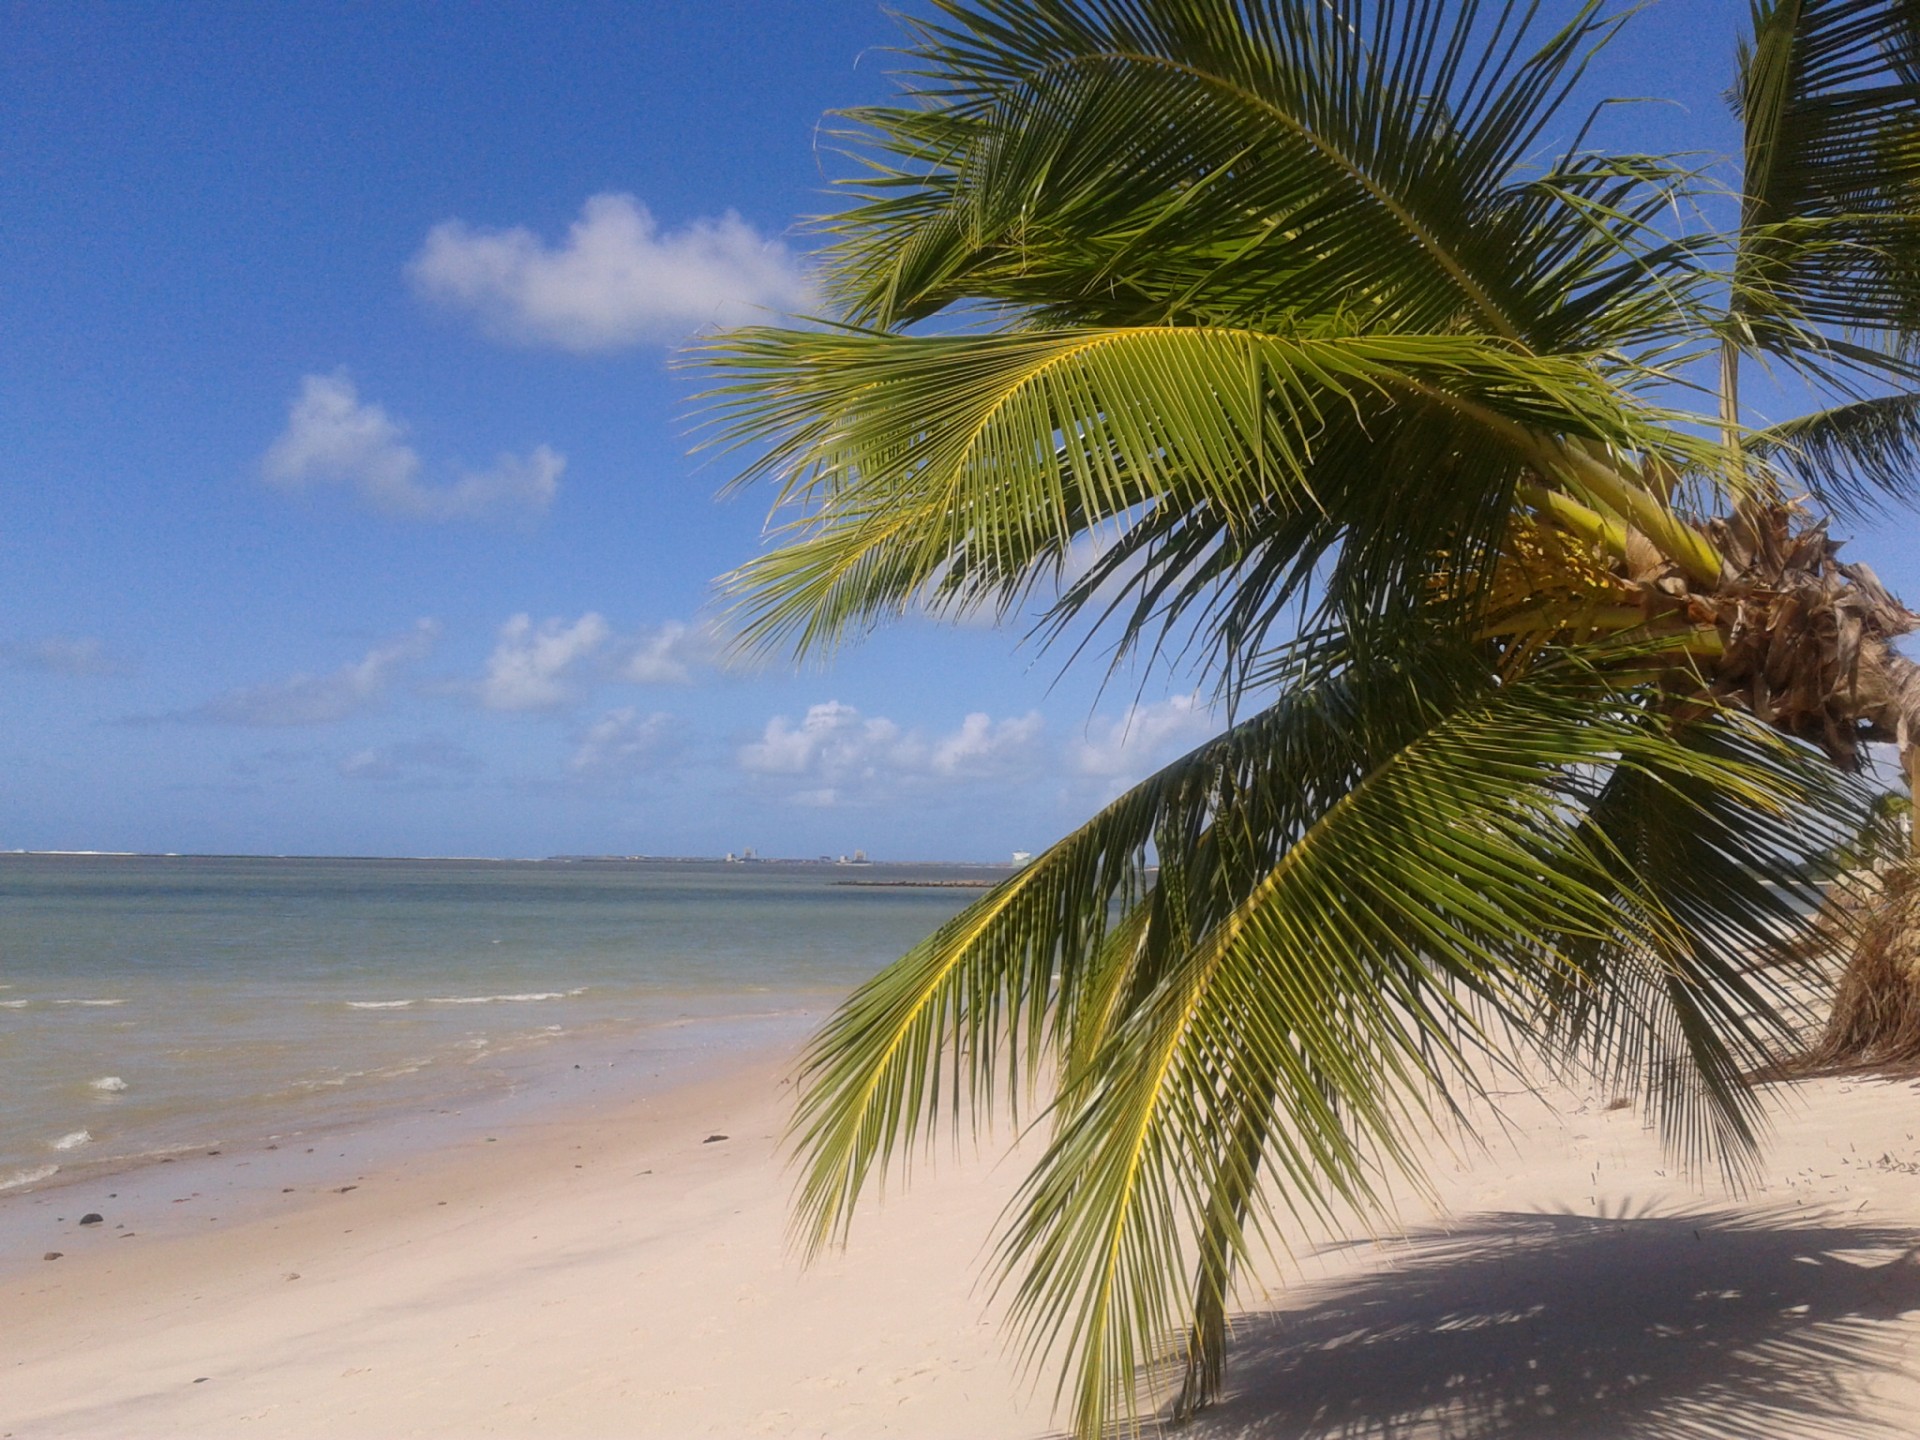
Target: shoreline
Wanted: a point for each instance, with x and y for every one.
(152, 1006)
(587, 1270)
(614, 1262)
(614, 1068)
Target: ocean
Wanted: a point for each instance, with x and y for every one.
(159, 1005)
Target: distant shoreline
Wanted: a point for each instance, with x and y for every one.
(917, 884)
(22, 854)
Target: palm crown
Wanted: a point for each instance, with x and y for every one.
(1433, 457)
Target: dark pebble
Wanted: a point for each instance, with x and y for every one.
(51, 1255)
(711, 1138)
(93, 1217)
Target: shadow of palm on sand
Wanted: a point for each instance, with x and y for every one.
(1716, 1326)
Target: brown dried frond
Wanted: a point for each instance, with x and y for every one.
(1874, 920)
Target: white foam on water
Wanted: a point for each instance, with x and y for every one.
(505, 999)
(410, 1066)
(13, 1004)
(90, 1002)
(27, 1177)
(73, 1140)
(108, 1084)
(378, 1004)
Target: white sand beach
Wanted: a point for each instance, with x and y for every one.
(613, 1272)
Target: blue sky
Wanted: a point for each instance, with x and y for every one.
(346, 502)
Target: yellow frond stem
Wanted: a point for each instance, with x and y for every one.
(1570, 515)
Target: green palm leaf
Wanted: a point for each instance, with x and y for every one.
(1857, 457)
(1360, 404)
(1829, 97)
(1353, 916)
(968, 465)
(1122, 164)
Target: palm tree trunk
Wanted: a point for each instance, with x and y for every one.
(1909, 682)
(1910, 764)
(1902, 718)
(1875, 920)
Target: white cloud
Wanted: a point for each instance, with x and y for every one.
(538, 667)
(432, 757)
(985, 746)
(59, 655)
(848, 756)
(617, 280)
(831, 739)
(667, 654)
(305, 699)
(619, 741)
(335, 438)
(1141, 739)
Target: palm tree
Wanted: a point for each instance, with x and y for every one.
(1387, 401)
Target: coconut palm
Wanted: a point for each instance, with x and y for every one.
(1316, 347)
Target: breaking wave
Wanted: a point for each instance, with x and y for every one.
(519, 999)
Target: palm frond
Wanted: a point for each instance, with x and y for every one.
(1348, 919)
(1044, 963)
(1856, 458)
(971, 463)
(1271, 304)
(1829, 99)
(1731, 993)
(1112, 163)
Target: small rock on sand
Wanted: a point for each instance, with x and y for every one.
(93, 1217)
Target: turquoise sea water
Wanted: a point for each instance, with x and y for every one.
(156, 1004)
